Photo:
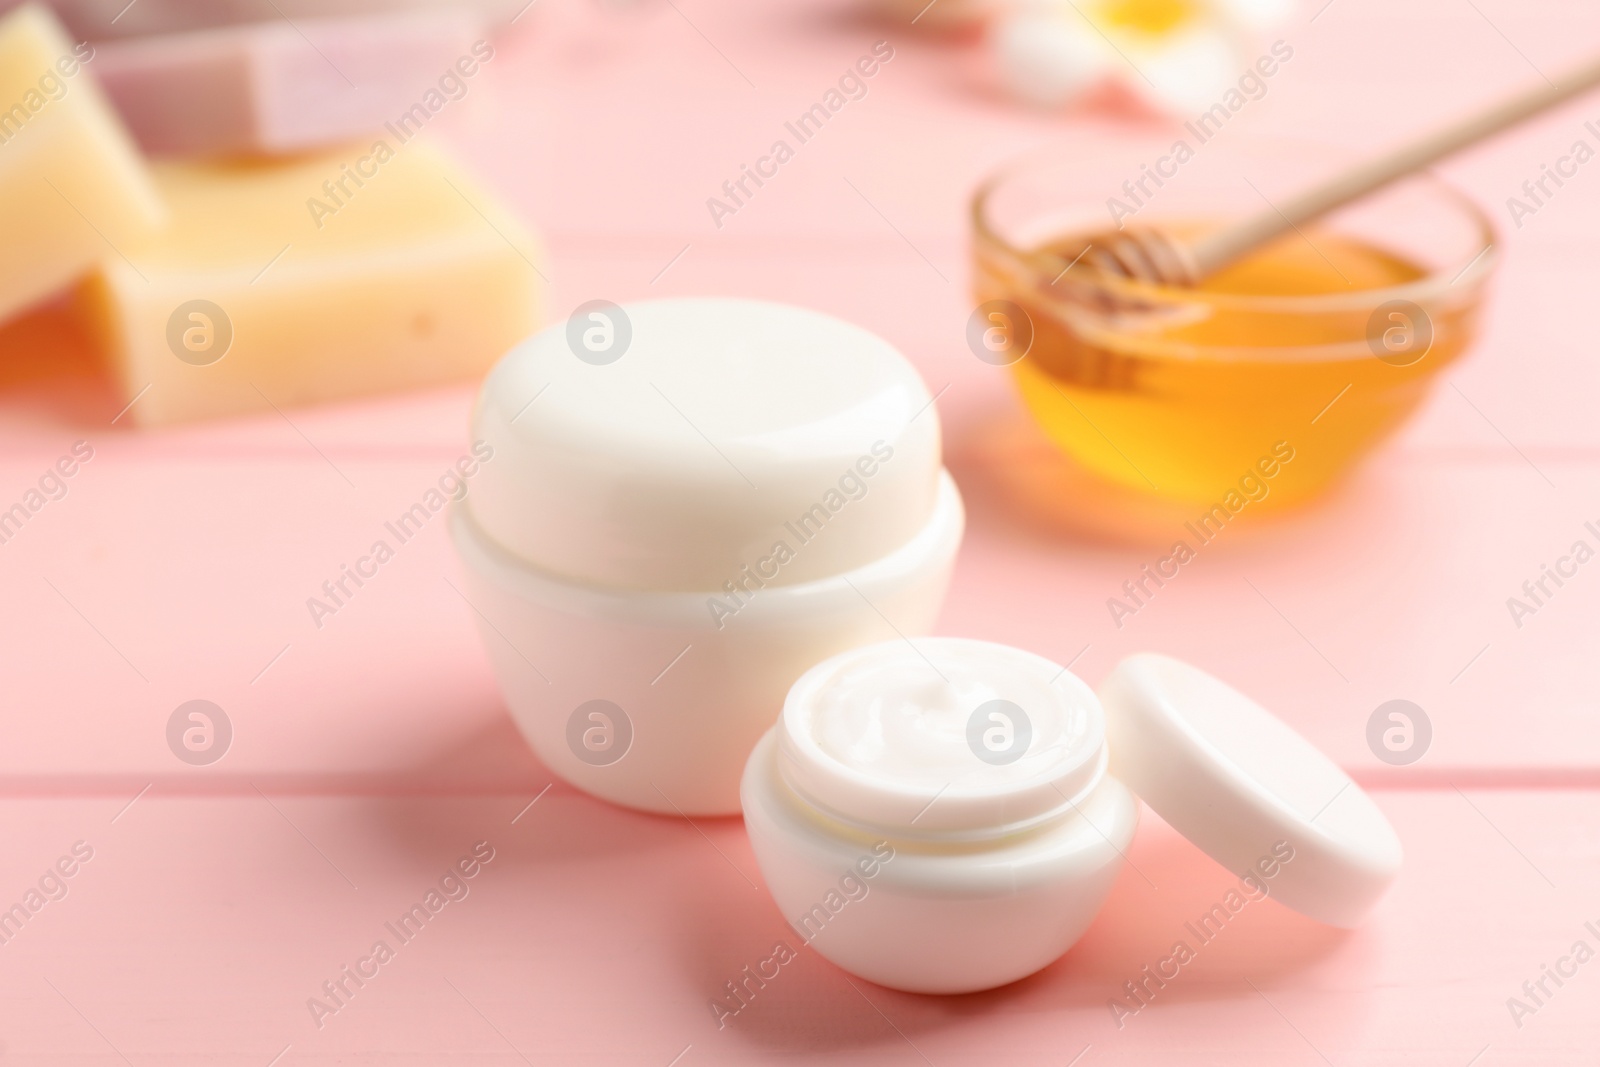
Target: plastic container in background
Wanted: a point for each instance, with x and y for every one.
(689, 503)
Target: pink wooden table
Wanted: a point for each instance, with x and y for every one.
(370, 754)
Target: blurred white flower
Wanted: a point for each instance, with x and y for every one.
(1175, 55)
(1044, 60)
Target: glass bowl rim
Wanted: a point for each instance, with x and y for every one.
(1428, 289)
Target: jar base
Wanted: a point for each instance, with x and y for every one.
(682, 693)
(939, 920)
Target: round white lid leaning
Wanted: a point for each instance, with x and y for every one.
(1240, 783)
(668, 445)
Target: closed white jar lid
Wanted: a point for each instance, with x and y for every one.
(1236, 780)
(724, 429)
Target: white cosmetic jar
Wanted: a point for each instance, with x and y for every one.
(949, 815)
(668, 535)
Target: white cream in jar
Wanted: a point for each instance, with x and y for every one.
(899, 718)
(1002, 853)
(977, 783)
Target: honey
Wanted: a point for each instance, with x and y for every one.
(1321, 344)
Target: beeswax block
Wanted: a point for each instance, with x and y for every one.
(375, 267)
(72, 189)
(275, 87)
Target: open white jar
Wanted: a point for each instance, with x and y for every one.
(691, 502)
(987, 792)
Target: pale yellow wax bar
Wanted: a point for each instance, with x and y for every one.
(73, 190)
(375, 267)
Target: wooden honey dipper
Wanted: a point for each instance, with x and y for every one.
(1150, 254)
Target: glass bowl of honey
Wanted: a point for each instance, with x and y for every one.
(1270, 379)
